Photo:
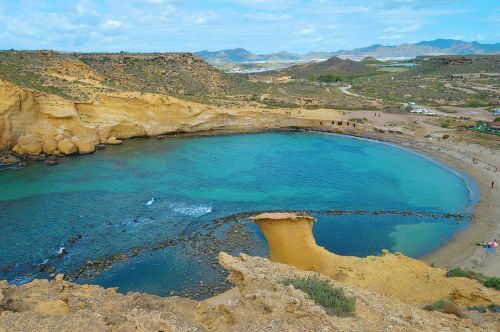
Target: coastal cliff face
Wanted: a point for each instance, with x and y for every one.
(32, 122)
(291, 241)
(258, 302)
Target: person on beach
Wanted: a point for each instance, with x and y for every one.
(492, 184)
(491, 247)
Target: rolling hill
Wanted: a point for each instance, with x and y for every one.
(332, 66)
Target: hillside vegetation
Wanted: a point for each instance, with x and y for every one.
(333, 67)
(79, 76)
(452, 65)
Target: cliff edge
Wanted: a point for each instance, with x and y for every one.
(32, 122)
(291, 241)
(260, 302)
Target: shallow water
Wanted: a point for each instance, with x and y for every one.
(193, 181)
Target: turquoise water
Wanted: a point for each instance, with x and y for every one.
(94, 206)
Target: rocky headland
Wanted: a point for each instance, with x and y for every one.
(260, 300)
(33, 123)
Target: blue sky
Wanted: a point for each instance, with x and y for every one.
(261, 26)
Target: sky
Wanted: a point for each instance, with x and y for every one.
(260, 26)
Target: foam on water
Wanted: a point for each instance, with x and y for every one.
(192, 210)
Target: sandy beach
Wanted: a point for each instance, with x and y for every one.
(462, 251)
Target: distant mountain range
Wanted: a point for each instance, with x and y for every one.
(434, 47)
(242, 55)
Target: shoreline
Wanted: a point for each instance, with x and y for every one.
(461, 250)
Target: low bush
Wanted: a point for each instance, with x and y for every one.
(322, 293)
(457, 272)
(445, 306)
(492, 282)
(493, 308)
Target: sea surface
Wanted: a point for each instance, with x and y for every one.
(146, 216)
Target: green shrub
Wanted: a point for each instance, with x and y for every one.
(321, 292)
(445, 306)
(457, 272)
(328, 78)
(493, 307)
(492, 282)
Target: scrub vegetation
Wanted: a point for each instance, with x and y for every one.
(491, 282)
(322, 293)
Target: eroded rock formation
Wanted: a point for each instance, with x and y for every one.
(291, 241)
(32, 122)
(259, 302)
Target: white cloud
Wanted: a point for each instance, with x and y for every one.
(202, 17)
(391, 37)
(80, 9)
(267, 16)
(111, 25)
(157, 2)
(200, 20)
(306, 31)
(408, 28)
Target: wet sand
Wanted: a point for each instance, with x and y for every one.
(463, 251)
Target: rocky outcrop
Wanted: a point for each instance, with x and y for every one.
(291, 241)
(32, 122)
(258, 302)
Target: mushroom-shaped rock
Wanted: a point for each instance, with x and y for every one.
(291, 241)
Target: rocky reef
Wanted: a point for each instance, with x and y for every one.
(260, 300)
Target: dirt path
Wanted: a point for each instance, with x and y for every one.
(468, 91)
(345, 90)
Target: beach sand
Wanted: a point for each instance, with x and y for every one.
(462, 251)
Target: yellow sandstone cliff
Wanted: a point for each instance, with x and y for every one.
(32, 122)
(259, 302)
(291, 241)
